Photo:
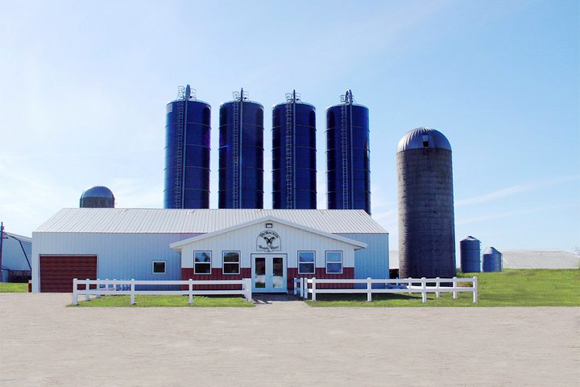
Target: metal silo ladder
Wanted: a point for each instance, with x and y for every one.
(344, 129)
(289, 153)
(179, 167)
(236, 154)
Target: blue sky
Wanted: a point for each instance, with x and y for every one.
(83, 88)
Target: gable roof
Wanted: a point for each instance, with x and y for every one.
(200, 221)
(177, 245)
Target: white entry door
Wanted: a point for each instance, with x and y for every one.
(269, 273)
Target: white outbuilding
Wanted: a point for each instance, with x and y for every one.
(272, 247)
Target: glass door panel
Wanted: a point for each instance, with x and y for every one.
(260, 273)
(278, 273)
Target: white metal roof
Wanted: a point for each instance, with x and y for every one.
(178, 245)
(173, 221)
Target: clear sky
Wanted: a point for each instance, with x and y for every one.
(83, 88)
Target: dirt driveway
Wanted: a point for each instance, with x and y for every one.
(43, 343)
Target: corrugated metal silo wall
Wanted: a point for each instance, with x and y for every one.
(348, 157)
(119, 256)
(492, 262)
(426, 215)
(187, 154)
(294, 156)
(247, 189)
(96, 202)
(470, 252)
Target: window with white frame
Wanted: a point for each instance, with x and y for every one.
(202, 262)
(158, 267)
(306, 262)
(231, 262)
(334, 262)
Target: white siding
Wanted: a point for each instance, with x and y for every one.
(291, 241)
(374, 260)
(120, 256)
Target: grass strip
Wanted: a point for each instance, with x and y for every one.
(507, 288)
(8, 287)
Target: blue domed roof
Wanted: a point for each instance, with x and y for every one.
(423, 138)
(98, 192)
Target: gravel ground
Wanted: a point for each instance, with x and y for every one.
(44, 343)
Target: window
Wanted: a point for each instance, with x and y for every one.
(158, 267)
(306, 262)
(334, 262)
(231, 262)
(202, 262)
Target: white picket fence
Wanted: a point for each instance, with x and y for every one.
(303, 286)
(120, 287)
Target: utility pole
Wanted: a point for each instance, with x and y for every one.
(1, 246)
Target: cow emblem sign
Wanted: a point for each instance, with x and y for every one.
(268, 240)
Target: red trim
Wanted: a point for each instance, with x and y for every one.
(320, 273)
(216, 274)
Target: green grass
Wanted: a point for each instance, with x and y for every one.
(507, 288)
(164, 301)
(7, 287)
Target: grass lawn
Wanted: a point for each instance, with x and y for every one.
(507, 288)
(164, 301)
(8, 287)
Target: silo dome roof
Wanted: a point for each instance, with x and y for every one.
(423, 138)
(98, 192)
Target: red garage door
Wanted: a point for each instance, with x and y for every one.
(58, 271)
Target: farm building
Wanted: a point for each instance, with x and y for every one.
(272, 247)
(15, 258)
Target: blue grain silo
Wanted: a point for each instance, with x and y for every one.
(294, 154)
(348, 155)
(187, 152)
(97, 197)
(492, 260)
(241, 153)
(470, 252)
(425, 202)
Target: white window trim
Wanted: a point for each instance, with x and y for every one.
(298, 260)
(153, 267)
(341, 261)
(231, 263)
(203, 263)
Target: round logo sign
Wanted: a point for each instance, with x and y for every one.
(268, 240)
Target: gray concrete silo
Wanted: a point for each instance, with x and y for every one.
(426, 215)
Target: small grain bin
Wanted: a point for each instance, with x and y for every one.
(470, 251)
(492, 260)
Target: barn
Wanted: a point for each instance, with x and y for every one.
(272, 247)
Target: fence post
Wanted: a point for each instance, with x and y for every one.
(423, 289)
(75, 292)
(409, 284)
(313, 288)
(304, 288)
(454, 288)
(132, 292)
(98, 289)
(248, 288)
(190, 301)
(474, 289)
(437, 285)
(87, 287)
(369, 290)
